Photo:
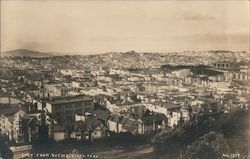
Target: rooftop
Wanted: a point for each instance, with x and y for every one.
(69, 99)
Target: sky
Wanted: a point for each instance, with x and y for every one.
(90, 27)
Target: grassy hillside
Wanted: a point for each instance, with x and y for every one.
(210, 138)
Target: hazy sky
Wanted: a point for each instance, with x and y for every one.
(107, 26)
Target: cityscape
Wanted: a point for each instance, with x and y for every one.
(124, 79)
(176, 105)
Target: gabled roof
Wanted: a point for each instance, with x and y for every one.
(80, 126)
(123, 120)
(9, 110)
(132, 129)
(16, 115)
(93, 123)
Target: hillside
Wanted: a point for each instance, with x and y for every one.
(25, 52)
(213, 137)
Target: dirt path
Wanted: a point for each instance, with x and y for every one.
(143, 152)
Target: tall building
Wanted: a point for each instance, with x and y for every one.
(64, 109)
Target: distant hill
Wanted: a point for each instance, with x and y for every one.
(134, 59)
(25, 52)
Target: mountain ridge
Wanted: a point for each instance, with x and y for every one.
(26, 52)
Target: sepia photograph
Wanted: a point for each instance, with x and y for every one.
(124, 79)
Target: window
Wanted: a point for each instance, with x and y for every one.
(79, 111)
(78, 106)
(58, 107)
(88, 103)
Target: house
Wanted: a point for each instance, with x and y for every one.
(157, 109)
(96, 128)
(79, 131)
(128, 125)
(18, 125)
(90, 129)
(118, 124)
(185, 114)
(113, 123)
(11, 123)
(153, 121)
(174, 118)
(31, 130)
(162, 108)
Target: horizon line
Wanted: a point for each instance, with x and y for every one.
(129, 51)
